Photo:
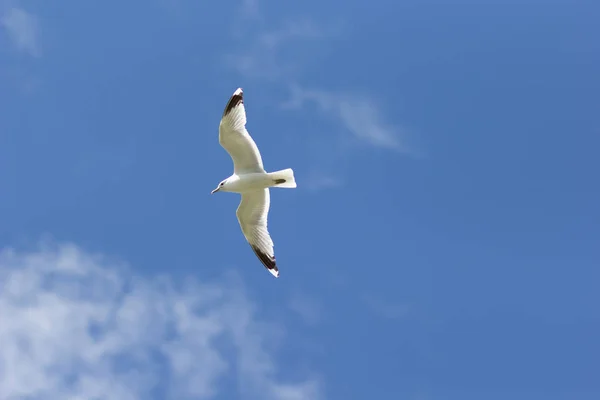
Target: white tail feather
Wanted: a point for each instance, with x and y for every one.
(287, 175)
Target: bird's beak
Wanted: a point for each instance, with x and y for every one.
(215, 191)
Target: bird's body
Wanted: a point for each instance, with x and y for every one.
(250, 179)
(253, 181)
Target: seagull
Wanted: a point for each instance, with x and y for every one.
(250, 179)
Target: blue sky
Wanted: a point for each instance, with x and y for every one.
(443, 241)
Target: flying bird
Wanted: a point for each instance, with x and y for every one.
(250, 179)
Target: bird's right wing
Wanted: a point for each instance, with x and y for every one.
(252, 215)
(234, 137)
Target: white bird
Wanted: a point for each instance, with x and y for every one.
(250, 179)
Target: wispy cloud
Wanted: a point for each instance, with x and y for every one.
(82, 326)
(359, 115)
(22, 29)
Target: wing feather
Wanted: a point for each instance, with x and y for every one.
(252, 215)
(236, 140)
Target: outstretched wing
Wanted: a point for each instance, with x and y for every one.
(234, 137)
(252, 215)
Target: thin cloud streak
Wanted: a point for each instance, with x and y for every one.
(81, 326)
(359, 115)
(23, 30)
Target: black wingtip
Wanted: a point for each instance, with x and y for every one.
(236, 99)
(268, 261)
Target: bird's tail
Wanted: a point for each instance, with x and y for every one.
(283, 178)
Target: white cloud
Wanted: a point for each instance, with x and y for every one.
(359, 115)
(22, 28)
(80, 326)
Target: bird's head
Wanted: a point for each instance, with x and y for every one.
(219, 187)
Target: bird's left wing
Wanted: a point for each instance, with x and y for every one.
(234, 137)
(252, 215)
